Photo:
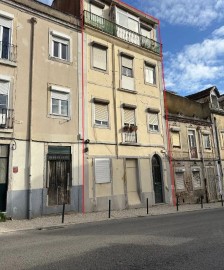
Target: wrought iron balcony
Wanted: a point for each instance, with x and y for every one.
(6, 118)
(130, 133)
(7, 51)
(116, 30)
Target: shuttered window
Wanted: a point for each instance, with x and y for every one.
(102, 170)
(175, 139)
(4, 93)
(150, 74)
(60, 47)
(129, 117)
(222, 139)
(196, 179)
(206, 141)
(192, 139)
(145, 33)
(97, 10)
(127, 66)
(100, 57)
(5, 37)
(101, 114)
(59, 103)
(179, 177)
(153, 122)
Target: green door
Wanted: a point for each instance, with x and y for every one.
(4, 149)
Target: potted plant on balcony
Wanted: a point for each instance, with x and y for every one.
(133, 128)
(126, 128)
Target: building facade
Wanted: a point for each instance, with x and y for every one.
(124, 128)
(39, 112)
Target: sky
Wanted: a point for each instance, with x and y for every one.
(192, 33)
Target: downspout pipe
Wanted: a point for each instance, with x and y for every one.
(33, 21)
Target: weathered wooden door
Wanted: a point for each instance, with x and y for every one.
(211, 184)
(157, 179)
(59, 167)
(4, 154)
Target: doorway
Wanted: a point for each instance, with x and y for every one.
(132, 182)
(157, 179)
(4, 160)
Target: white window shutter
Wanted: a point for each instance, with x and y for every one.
(179, 180)
(5, 22)
(127, 62)
(149, 74)
(4, 87)
(102, 170)
(176, 138)
(129, 116)
(101, 112)
(59, 95)
(96, 10)
(153, 119)
(99, 58)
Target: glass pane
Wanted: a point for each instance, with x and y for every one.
(55, 49)
(64, 51)
(3, 102)
(133, 25)
(122, 20)
(5, 43)
(127, 72)
(3, 170)
(64, 107)
(55, 106)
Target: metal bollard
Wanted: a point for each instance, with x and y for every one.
(147, 204)
(63, 213)
(177, 203)
(201, 201)
(109, 208)
(221, 200)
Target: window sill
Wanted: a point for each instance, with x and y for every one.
(6, 130)
(127, 90)
(130, 144)
(8, 63)
(153, 132)
(54, 116)
(66, 62)
(101, 127)
(151, 84)
(100, 70)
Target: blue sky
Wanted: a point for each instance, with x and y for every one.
(193, 41)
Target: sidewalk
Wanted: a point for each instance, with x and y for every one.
(77, 218)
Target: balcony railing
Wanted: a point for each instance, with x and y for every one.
(116, 30)
(7, 51)
(6, 118)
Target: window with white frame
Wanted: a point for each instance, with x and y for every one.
(129, 117)
(127, 74)
(175, 136)
(101, 114)
(179, 180)
(153, 121)
(129, 126)
(60, 46)
(5, 37)
(150, 73)
(206, 141)
(102, 170)
(60, 101)
(196, 178)
(4, 94)
(99, 57)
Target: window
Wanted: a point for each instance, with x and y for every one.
(196, 178)
(214, 101)
(59, 101)
(175, 135)
(102, 170)
(179, 179)
(60, 46)
(206, 141)
(4, 93)
(150, 74)
(222, 138)
(192, 144)
(5, 37)
(101, 115)
(153, 122)
(130, 134)
(127, 73)
(99, 57)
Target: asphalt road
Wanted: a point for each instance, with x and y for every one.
(180, 241)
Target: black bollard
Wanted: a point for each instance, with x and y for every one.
(147, 204)
(63, 213)
(177, 203)
(109, 208)
(221, 200)
(201, 201)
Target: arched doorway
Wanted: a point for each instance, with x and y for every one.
(157, 179)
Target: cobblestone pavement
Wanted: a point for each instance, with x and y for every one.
(77, 218)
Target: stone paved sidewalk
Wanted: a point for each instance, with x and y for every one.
(74, 218)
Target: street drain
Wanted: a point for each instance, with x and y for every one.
(50, 228)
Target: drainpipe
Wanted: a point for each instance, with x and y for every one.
(219, 163)
(114, 98)
(83, 107)
(33, 21)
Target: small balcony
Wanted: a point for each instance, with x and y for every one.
(130, 134)
(118, 31)
(6, 118)
(7, 52)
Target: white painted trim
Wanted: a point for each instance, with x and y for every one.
(60, 88)
(5, 78)
(6, 15)
(60, 35)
